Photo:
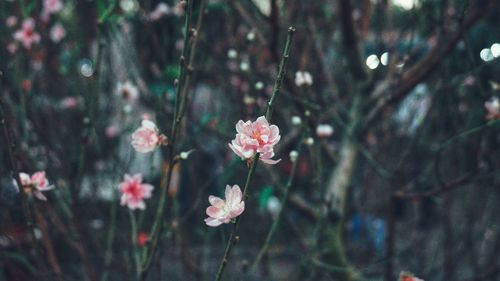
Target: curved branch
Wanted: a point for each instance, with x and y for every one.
(395, 91)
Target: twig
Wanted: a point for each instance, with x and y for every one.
(281, 73)
(180, 102)
(108, 255)
(47, 243)
(11, 148)
(274, 227)
(135, 249)
(233, 239)
(350, 40)
(277, 86)
(421, 70)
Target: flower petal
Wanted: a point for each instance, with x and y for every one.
(39, 195)
(212, 222)
(216, 201)
(214, 212)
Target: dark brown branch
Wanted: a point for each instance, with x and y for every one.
(434, 192)
(424, 68)
(350, 41)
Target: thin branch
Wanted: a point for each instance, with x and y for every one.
(274, 227)
(437, 191)
(397, 90)
(270, 105)
(350, 41)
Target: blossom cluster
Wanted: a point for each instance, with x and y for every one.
(256, 137)
(251, 138)
(35, 184)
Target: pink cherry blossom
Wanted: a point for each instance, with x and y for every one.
(11, 47)
(142, 239)
(303, 78)
(57, 33)
(112, 131)
(405, 276)
(127, 91)
(35, 184)
(161, 10)
(492, 108)
(134, 192)
(324, 130)
(256, 137)
(147, 137)
(223, 211)
(70, 102)
(11, 21)
(51, 7)
(27, 35)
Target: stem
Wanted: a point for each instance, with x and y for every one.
(47, 243)
(11, 148)
(274, 227)
(277, 87)
(109, 241)
(281, 73)
(180, 100)
(467, 133)
(232, 237)
(135, 249)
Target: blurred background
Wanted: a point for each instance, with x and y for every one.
(391, 105)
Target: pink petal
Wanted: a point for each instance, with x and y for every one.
(137, 177)
(229, 194)
(214, 212)
(212, 222)
(147, 190)
(39, 195)
(45, 188)
(238, 210)
(240, 127)
(216, 201)
(149, 125)
(236, 193)
(25, 179)
(270, 161)
(262, 121)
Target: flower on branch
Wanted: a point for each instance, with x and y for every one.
(223, 211)
(51, 7)
(147, 137)
(492, 107)
(406, 276)
(27, 35)
(57, 33)
(142, 239)
(35, 184)
(256, 137)
(134, 192)
(128, 91)
(324, 130)
(303, 78)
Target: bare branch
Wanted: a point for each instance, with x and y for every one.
(350, 41)
(395, 91)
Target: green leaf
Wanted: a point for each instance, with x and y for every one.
(161, 88)
(20, 259)
(265, 193)
(172, 71)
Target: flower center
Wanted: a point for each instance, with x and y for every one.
(258, 136)
(134, 190)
